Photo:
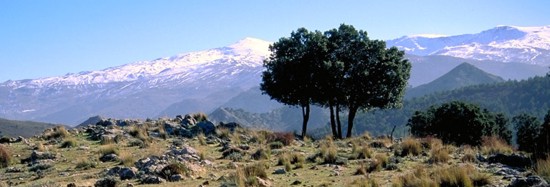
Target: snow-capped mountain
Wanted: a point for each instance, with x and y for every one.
(503, 43)
(140, 89)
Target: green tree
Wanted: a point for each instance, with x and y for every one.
(528, 128)
(372, 76)
(543, 139)
(288, 77)
(455, 122)
(502, 128)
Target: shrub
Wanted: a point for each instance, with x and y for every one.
(5, 157)
(57, 132)
(328, 151)
(410, 146)
(175, 168)
(298, 160)
(69, 143)
(455, 123)
(247, 176)
(139, 132)
(361, 153)
(284, 137)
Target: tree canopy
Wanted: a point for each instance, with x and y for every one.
(340, 69)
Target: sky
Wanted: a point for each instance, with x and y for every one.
(55, 37)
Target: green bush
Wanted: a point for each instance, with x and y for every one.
(528, 128)
(457, 123)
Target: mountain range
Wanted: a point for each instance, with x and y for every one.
(205, 80)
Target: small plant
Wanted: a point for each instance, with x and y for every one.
(380, 162)
(223, 133)
(469, 155)
(127, 159)
(106, 140)
(108, 149)
(261, 153)
(361, 170)
(201, 138)
(411, 146)
(175, 168)
(200, 117)
(298, 160)
(439, 154)
(85, 164)
(71, 142)
(453, 176)
(139, 132)
(364, 182)
(360, 152)
(276, 145)
(5, 157)
(494, 145)
(419, 177)
(57, 132)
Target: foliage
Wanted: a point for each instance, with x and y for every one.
(528, 128)
(69, 143)
(455, 122)
(340, 68)
(543, 139)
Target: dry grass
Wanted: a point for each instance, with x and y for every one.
(494, 145)
(106, 140)
(247, 176)
(139, 132)
(108, 149)
(261, 154)
(127, 159)
(175, 168)
(284, 137)
(439, 154)
(453, 176)
(542, 168)
(469, 155)
(56, 132)
(223, 133)
(201, 138)
(69, 142)
(411, 146)
(379, 163)
(418, 178)
(200, 117)
(364, 182)
(328, 150)
(5, 157)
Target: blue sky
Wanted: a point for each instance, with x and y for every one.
(50, 38)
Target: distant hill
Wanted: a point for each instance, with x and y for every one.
(463, 75)
(13, 128)
(253, 100)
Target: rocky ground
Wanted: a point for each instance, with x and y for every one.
(191, 151)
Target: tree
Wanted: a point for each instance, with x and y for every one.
(456, 122)
(372, 76)
(543, 139)
(288, 77)
(528, 128)
(502, 128)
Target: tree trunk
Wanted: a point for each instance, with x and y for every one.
(305, 115)
(332, 122)
(338, 121)
(351, 116)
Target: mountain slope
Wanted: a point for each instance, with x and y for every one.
(13, 128)
(136, 90)
(463, 75)
(503, 43)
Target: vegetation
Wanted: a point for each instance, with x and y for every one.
(13, 128)
(339, 68)
(456, 122)
(5, 157)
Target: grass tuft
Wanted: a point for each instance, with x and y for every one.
(411, 146)
(542, 168)
(494, 145)
(5, 157)
(70, 142)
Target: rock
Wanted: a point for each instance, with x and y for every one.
(13, 170)
(531, 180)
(106, 182)
(128, 173)
(513, 160)
(207, 127)
(188, 121)
(231, 126)
(106, 122)
(151, 179)
(296, 182)
(170, 128)
(279, 171)
(176, 178)
(109, 158)
(71, 185)
(263, 183)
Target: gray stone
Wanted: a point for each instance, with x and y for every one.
(280, 171)
(151, 179)
(513, 160)
(207, 127)
(109, 158)
(128, 173)
(531, 180)
(170, 128)
(106, 182)
(176, 178)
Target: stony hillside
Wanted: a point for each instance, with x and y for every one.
(191, 151)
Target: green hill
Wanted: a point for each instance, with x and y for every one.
(12, 128)
(463, 75)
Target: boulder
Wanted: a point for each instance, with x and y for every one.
(513, 160)
(279, 171)
(207, 127)
(151, 179)
(231, 126)
(128, 173)
(106, 182)
(109, 158)
(531, 180)
(188, 121)
(171, 127)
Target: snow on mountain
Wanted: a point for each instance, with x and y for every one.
(150, 85)
(502, 43)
